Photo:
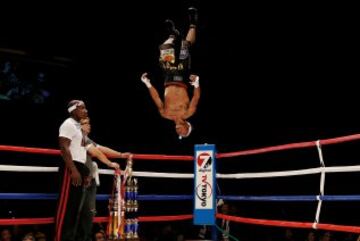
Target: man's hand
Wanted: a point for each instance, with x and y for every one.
(146, 80)
(114, 165)
(126, 155)
(194, 80)
(75, 177)
(87, 181)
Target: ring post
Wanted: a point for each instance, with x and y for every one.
(204, 185)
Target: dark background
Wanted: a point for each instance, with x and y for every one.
(269, 73)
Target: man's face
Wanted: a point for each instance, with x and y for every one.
(81, 112)
(28, 237)
(326, 236)
(99, 236)
(5, 235)
(182, 129)
(311, 236)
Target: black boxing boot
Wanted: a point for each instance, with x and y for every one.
(193, 16)
(170, 27)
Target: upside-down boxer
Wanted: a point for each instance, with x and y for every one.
(175, 62)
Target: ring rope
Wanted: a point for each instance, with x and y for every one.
(290, 146)
(26, 221)
(316, 170)
(13, 168)
(331, 227)
(47, 151)
(322, 169)
(165, 197)
(289, 224)
(292, 198)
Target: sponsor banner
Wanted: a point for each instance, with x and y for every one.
(204, 185)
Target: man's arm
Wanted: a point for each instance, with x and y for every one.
(157, 100)
(194, 81)
(64, 144)
(112, 153)
(153, 93)
(96, 152)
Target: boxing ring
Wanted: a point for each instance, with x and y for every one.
(322, 170)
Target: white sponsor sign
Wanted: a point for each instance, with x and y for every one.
(204, 189)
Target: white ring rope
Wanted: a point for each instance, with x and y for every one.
(335, 169)
(13, 168)
(308, 171)
(151, 174)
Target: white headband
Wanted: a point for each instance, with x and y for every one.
(189, 131)
(75, 105)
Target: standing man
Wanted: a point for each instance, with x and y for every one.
(99, 152)
(72, 147)
(77, 196)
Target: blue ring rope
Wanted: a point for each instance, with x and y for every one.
(153, 197)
